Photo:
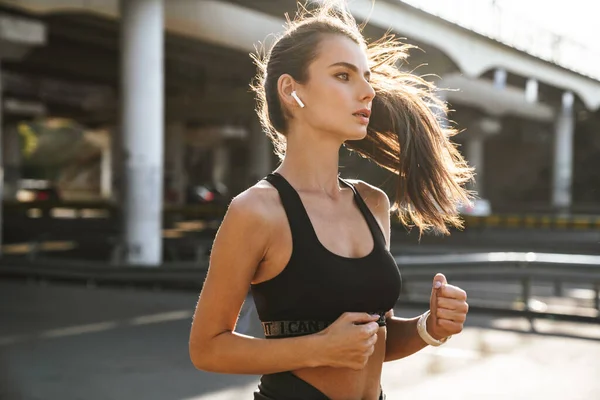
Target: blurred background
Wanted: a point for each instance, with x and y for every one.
(127, 126)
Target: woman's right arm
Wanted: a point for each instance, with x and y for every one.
(240, 245)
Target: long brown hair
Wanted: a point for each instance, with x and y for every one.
(405, 135)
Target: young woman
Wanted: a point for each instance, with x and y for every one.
(313, 247)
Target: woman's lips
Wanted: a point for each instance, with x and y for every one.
(362, 119)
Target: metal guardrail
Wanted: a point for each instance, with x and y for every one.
(523, 268)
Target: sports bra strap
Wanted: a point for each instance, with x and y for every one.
(366, 212)
(298, 219)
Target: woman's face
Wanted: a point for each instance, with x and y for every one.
(338, 95)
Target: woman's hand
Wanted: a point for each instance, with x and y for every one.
(349, 341)
(449, 308)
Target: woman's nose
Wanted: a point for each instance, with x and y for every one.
(368, 92)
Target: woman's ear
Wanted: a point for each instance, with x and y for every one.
(287, 89)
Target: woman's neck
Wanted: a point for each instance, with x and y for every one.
(311, 162)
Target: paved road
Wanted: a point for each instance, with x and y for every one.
(72, 342)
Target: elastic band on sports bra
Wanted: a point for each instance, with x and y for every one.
(285, 329)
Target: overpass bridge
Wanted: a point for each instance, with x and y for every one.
(97, 60)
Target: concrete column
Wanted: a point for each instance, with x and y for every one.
(106, 169)
(563, 155)
(531, 90)
(12, 161)
(176, 175)
(475, 153)
(500, 77)
(260, 153)
(480, 130)
(142, 75)
(442, 117)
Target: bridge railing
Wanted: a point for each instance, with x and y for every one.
(524, 269)
(517, 30)
(504, 268)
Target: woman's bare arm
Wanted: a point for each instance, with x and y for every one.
(402, 338)
(240, 245)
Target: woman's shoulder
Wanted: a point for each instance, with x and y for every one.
(376, 198)
(255, 203)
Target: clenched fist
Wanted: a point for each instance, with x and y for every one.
(449, 308)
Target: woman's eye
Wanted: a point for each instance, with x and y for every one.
(343, 76)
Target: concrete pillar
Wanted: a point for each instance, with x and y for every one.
(142, 75)
(176, 174)
(479, 131)
(475, 153)
(563, 155)
(260, 153)
(442, 117)
(12, 161)
(531, 90)
(106, 169)
(500, 77)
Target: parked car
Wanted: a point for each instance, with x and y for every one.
(31, 190)
(207, 193)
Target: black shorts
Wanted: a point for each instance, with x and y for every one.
(287, 386)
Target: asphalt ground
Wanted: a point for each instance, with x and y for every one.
(75, 342)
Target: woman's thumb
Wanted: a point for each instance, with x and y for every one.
(439, 280)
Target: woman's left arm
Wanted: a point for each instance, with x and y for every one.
(448, 304)
(402, 337)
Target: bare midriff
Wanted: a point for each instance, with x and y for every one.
(346, 383)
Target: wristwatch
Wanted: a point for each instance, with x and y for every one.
(427, 338)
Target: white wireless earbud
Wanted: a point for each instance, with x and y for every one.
(295, 96)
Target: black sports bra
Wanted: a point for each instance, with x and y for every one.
(317, 286)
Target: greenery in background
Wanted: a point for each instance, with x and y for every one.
(28, 139)
(48, 146)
